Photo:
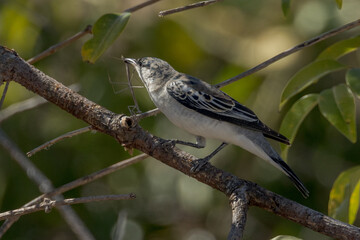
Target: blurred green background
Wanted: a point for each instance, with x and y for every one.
(213, 43)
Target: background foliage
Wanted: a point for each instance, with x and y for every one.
(212, 43)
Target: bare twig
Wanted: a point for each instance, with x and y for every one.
(21, 106)
(187, 7)
(4, 94)
(131, 89)
(87, 30)
(45, 186)
(79, 182)
(96, 175)
(75, 222)
(239, 205)
(32, 171)
(74, 184)
(89, 178)
(48, 52)
(286, 53)
(51, 50)
(140, 6)
(58, 139)
(149, 113)
(27, 104)
(123, 89)
(47, 204)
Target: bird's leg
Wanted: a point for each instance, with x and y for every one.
(198, 164)
(200, 142)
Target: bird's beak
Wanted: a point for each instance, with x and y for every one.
(131, 61)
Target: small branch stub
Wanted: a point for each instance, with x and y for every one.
(127, 122)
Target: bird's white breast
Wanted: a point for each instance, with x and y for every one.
(201, 125)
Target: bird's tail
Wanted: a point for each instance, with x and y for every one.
(287, 170)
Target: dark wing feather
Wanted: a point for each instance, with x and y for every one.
(210, 101)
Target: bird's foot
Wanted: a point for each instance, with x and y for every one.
(198, 164)
(169, 143)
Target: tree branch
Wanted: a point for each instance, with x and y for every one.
(76, 183)
(51, 50)
(149, 113)
(239, 206)
(286, 53)
(27, 105)
(45, 185)
(140, 6)
(47, 204)
(125, 130)
(93, 176)
(4, 93)
(305, 216)
(58, 139)
(187, 7)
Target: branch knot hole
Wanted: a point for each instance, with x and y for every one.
(127, 122)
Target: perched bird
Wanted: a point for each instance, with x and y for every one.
(207, 112)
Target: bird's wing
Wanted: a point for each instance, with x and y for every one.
(210, 101)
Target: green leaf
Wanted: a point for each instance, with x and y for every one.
(294, 117)
(308, 75)
(353, 80)
(337, 105)
(340, 194)
(345, 102)
(285, 6)
(105, 31)
(339, 3)
(354, 203)
(340, 49)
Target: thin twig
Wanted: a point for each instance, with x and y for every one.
(286, 53)
(124, 89)
(87, 30)
(96, 175)
(76, 183)
(149, 113)
(131, 89)
(58, 139)
(89, 178)
(47, 204)
(140, 6)
(32, 171)
(113, 83)
(21, 106)
(187, 7)
(4, 93)
(45, 186)
(51, 50)
(56, 47)
(28, 104)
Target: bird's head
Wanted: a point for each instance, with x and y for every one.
(152, 71)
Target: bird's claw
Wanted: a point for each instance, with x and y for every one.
(198, 164)
(169, 144)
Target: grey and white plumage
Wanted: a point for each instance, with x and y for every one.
(205, 111)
